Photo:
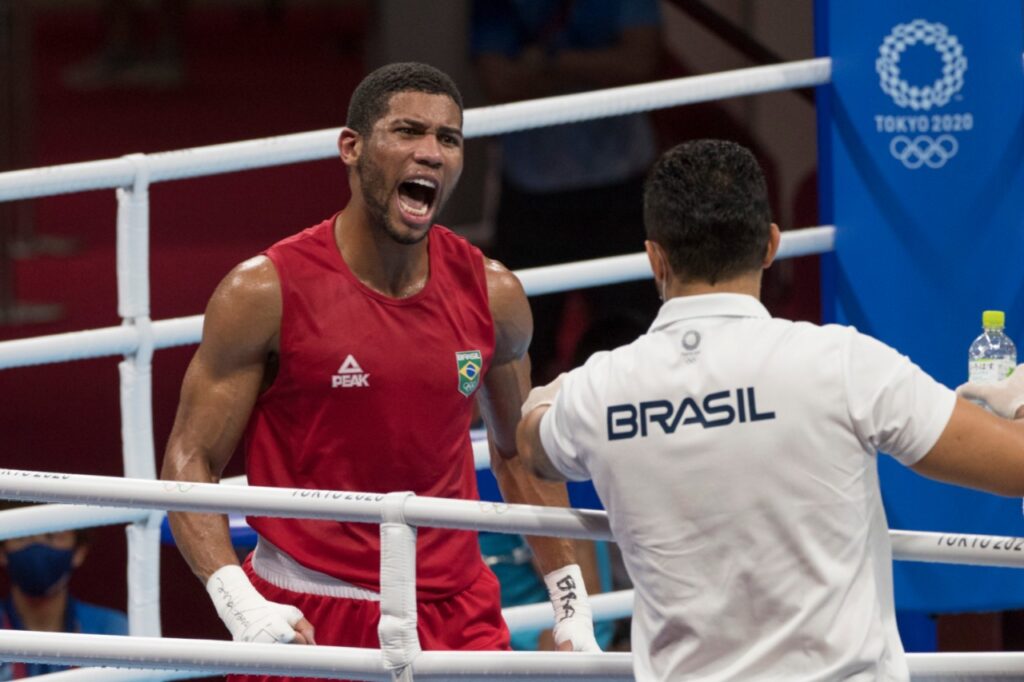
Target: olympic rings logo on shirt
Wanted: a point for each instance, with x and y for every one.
(497, 508)
(924, 150)
(954, 65)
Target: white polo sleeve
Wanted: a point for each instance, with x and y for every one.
(895, 406)
(557, 427)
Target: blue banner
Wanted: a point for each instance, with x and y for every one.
(921, 143)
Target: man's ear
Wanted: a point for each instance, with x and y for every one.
(350, 146)
(656, 257)
(774, 239)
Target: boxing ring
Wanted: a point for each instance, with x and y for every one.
(140, 500)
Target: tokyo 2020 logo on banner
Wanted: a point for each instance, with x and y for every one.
(926, 138)
(954, 65)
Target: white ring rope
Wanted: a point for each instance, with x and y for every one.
(215, 656)
(182, 331)
(631, 99)
(999, 664)
(616, 269)
(116, 675)
(958, 548)
(47, 518)
(322, 144)
(50, 518)
(37, 486)
(140, 493)
(204, 656)
(209, 656)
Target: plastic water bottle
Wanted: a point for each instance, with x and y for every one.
(992, 356)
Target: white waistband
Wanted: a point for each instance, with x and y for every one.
(280, 570)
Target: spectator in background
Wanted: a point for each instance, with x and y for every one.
(39, 568)
(569, 192)
(142, 46)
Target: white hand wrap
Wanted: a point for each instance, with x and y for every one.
(249, 616)
(574, 621)
(542, 395)
(1004, 397)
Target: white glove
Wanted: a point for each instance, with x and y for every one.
(574, 621)
(1004, 397)
(248, 615)
(542, 395)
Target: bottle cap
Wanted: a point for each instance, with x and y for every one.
(993, 318)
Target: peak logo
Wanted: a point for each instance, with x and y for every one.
(350, 375)
(716, 409)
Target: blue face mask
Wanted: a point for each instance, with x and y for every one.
(37, 568)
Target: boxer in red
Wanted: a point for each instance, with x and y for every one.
(349, 357)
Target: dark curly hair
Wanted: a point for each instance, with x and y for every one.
(706, 204)
(372, 96)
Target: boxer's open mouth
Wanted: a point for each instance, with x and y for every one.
(416, 196)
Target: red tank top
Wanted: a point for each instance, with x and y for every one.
(373, 394)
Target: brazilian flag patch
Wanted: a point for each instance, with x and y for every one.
(470, 364)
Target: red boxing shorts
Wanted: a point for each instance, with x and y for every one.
(468, 621)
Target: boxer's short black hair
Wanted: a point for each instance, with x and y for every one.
(372, 96)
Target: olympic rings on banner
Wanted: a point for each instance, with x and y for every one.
(924, 150)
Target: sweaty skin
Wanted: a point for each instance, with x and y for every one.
(385, 247)
(504, 389)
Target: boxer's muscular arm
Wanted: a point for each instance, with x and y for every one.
(240, 331)
(501, 397)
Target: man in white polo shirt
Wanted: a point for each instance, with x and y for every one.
(736, 453)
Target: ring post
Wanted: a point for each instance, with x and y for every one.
(136, 376)
(399, 641)
(921, 142)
